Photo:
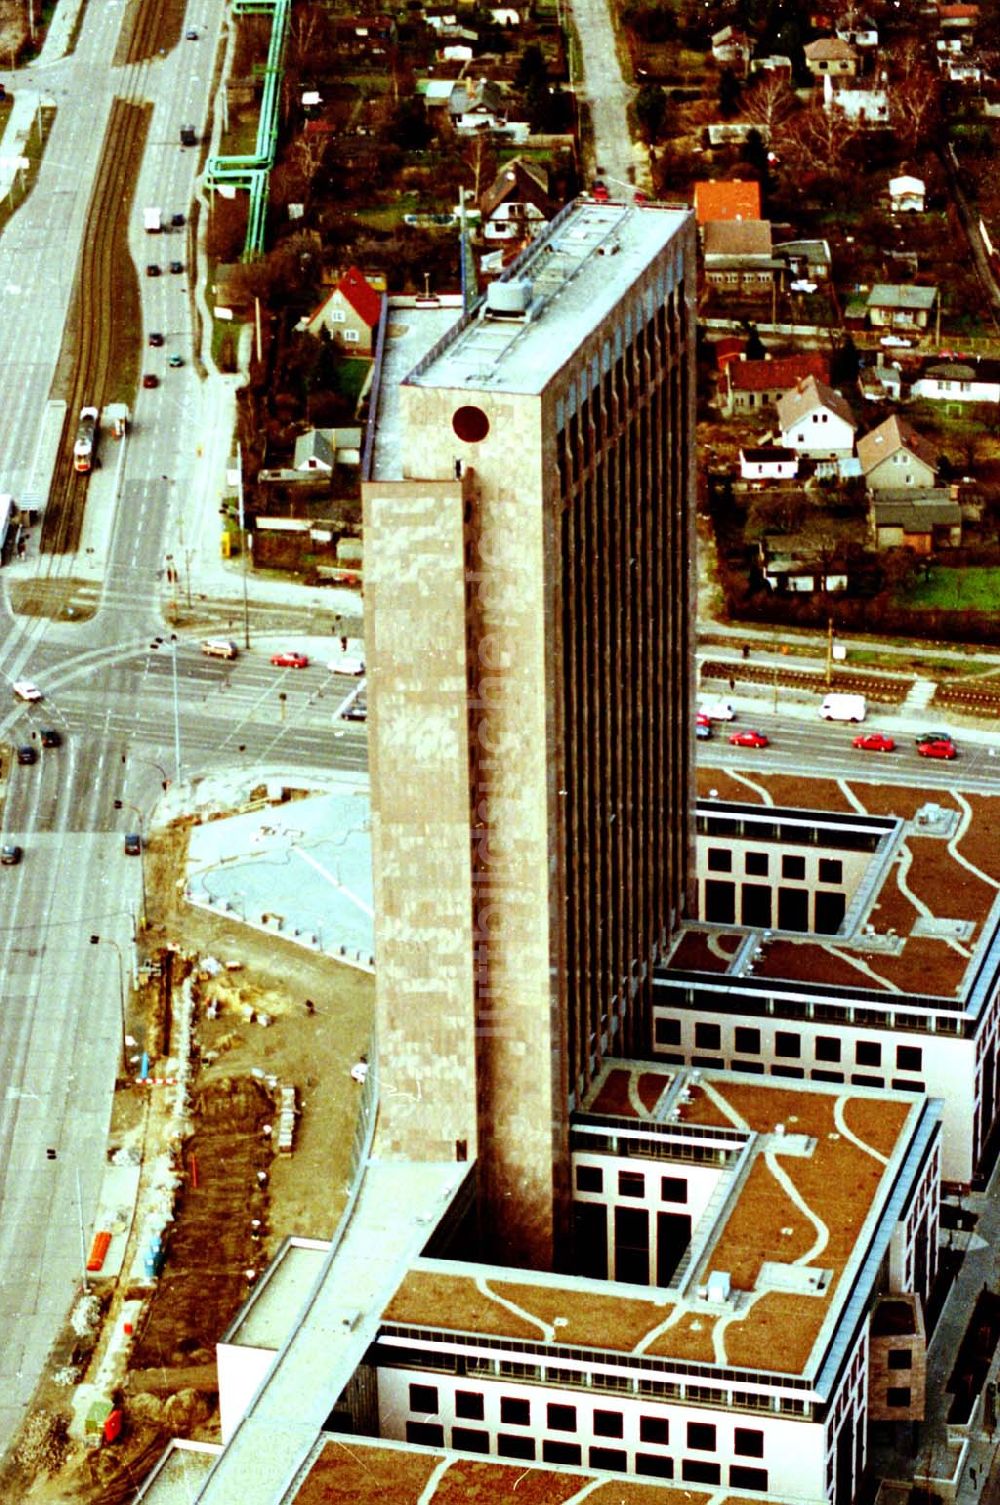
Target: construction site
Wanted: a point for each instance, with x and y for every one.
(230, 1129)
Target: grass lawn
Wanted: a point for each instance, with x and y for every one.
(955, 589)
(351, 376)
(389, 216)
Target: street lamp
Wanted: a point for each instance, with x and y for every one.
(105, 940)
(119, 804)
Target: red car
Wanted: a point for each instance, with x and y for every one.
(875, 742)
(149, 380)
(289, 661)
(937, 749)
(748, 738)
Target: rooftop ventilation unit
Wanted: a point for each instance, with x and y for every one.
(508, 300)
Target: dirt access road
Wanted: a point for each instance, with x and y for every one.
(170, 1386)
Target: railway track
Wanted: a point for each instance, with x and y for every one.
(101, 350)
(90, 345)
(878, 687)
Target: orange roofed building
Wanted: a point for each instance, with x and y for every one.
(350, 313)
(726, 200)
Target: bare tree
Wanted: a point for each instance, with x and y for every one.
(914, 96)
(769, 104)
(823, 140)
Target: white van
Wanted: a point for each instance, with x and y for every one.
(840, 707)
(219, 648)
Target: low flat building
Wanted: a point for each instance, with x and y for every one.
(923, 520)
(816, 960)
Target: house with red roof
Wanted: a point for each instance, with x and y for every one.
(350, 313)
(726, 199)
(752, 386)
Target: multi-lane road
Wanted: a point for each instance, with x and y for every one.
(822, 749)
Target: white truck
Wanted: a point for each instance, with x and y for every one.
(152, 221)
(843, 707)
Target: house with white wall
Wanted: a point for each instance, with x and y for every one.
(816, 421)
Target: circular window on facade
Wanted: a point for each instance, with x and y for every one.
(470, 424)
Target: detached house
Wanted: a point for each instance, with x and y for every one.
(749, 386)
(906, 194)
(729, 199)
(862, 33)
(731, 48)
(477, 105)
(738, 255)
(894, 456)
(830, 56)
(959, 381)
(900, 306)
(517, 205)
(816, 421)
(351, 314)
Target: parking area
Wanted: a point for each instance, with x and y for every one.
(301, 870)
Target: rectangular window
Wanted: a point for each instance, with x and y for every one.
(352, 337)
(698, 1471)
(515, 1447)
(611, 1458)
(654, 1429)
(831, 870)
(827, 1048)
(667, 1031)
(653, 1465)
(909, 1058)
(788, 1071)
(701, 1436)
(469, 1404)
(742, 1477)
(868, 1053)
(561, 1452)
(608, 1424)
(900, 1358)
(470, 1440)
(707, 1036)
(747, 1040)
(430, 1434)
(793, 866)
(589, 1178)
(898, 1395)
(865, 1079)
(515, 1412)
(748, 1442)
(631, 1184)
(561, 1418)
(787, 1045)
(337, 315)
(424, 1398)
(673, 1189)
(720, 860)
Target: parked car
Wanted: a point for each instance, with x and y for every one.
(177, 220)
(152, 270)
(347, 665)
(289, 660)
(190, 35)
(177, 266)
(26, 689)
(938, 736)
(718, 710)
(357, 710)
(175, 360)
(937, 749)
(875, 742)
(10, 854)
(149, 380)
(155, 338)
(27, 755)
(748, 738)
(133, 844)
(703, 730)
(49, 737)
